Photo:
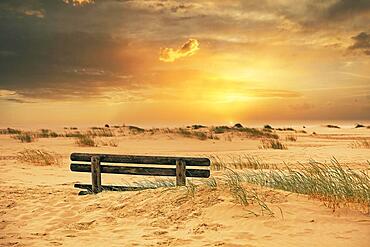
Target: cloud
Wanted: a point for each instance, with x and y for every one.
(348, 9)
(79, 2)
(36, 13)
(362, 43)
(186, 50)
(12, 96)
(4, 93)
(19, 101)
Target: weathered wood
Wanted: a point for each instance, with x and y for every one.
(148, 171)
(135, 159)
(95, 174)
(180, 173)
(112, 187)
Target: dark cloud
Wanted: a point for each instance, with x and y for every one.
(361, 43)
(20, 101)
(347, 9)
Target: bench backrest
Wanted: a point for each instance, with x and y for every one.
(92, 163)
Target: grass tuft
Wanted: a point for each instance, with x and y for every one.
(46, 133)
(101, 132)
(25, 137)
(237, 162)
(291, 138)
(85, 141)
(38, 157)
(332, 126)
(330, 182)
(273, 144)
(361, 144)
(10, 131)
(211, 183)
(243, 196)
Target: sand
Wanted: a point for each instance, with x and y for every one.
(40, 207)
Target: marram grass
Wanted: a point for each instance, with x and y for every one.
(330, 182)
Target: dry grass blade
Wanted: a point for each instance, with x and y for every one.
(38, 157)
(361, 144)
(243, 196)
(332, 182)
(272, 143)
(25, 137)
(85, 141)
(237, 162)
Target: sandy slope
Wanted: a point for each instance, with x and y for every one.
(39, 206)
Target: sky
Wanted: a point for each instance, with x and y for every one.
(172, 62)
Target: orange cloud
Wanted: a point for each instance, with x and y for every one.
(186, 50)
(78, 2)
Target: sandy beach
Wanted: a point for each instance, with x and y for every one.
(40, 207)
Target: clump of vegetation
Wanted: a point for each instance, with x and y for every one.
(10, 131)
(110, 143)
(135, 130)
(211, 183)
(25, 137)
(332, 182)
(359, 126)
(103, 132)
(198, 126)
(301, 131)
(243, 196)
(220, 129)
(252, 132)
(191, 188)
(213, 136)
(361, 144)
(38, 157)
(249, 132)
(333, 126)
(73, 134)
(153, 184)
(291, 138)
(46, 133)
(200, 135)
(194, 134)
(237, 162)
(285, 129)
(85, 141)
(184, 132)
(238, 126)
(267, 126)
(272, 143)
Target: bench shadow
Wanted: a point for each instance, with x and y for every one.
(88, 188)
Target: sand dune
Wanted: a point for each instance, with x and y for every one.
(39, 206)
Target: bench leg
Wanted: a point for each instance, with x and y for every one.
(95, 174)
(180, 173)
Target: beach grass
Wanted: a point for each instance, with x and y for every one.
(85, 140)
(38, 157)
(365, 143)
(268, 143)
(238, 162)
(333, 183)
(25, 137)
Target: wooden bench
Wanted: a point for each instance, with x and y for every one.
(101, 163)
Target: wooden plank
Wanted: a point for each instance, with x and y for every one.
(180, 173)
(112, 187)
(95, 174)
(149, 171)
(135, 159)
